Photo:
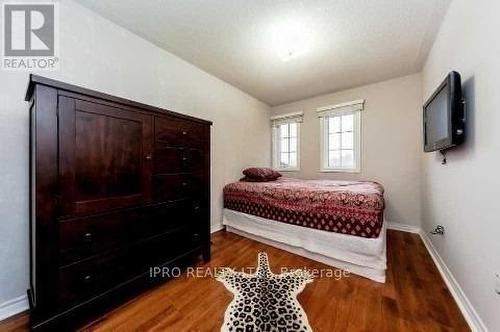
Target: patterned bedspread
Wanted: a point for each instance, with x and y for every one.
(348, 207)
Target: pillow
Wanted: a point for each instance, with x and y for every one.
(260, 174)
(247, 179)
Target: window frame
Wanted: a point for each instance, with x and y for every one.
(355, 108)
(276, 121)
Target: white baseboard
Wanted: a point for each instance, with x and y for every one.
(403, 227)
(216, 228)
(468, 311)
(470, 314)
(13, 307)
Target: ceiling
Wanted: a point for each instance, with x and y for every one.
(332, 44)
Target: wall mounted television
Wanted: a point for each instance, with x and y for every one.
(444, 116)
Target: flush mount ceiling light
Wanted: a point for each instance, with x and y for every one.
(291, 38)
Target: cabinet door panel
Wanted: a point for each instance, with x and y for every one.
(105, 157)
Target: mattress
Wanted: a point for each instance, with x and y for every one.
(358, 255)
(347, 207)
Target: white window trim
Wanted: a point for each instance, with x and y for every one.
(356, 105)
(355, 108)
(296, 117)
(287, 118)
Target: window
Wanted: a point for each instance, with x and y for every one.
(340, 127)
(287, 137)
(286, 130)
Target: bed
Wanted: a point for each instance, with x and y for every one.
(339, 223)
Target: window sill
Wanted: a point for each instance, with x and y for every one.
(340, 170)
(287, 170)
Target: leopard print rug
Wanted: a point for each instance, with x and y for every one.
(265, 301)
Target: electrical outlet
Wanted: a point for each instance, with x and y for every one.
(497, 283)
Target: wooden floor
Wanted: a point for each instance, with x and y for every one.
(415, 298)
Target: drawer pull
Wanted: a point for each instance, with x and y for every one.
(87, 237)
(87, 279)
(184, 133)
(195, 237)
(184, 184)
(184, 158)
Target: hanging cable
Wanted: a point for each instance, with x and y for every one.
(443, 153)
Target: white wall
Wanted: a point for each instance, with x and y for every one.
(99, 55)
(391, 141)
(463, 195)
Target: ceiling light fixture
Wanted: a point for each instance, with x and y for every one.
(291, 38)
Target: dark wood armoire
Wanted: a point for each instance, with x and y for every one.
(117, 189)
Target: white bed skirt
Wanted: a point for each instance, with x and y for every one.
(362, 256)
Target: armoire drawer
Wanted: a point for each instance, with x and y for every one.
(81, 238)
(176, 186)
(175, 132)
(176, 159)
(83, 280)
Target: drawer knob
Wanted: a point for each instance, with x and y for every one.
(184, 132)
(149, 157)
(184, 158)
(196, 206)
(184, 184)
(87, 237)
(195, 237)
(87, 279)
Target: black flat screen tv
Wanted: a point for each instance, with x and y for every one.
(444, 118)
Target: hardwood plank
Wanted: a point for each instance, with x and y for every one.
(415, 298)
